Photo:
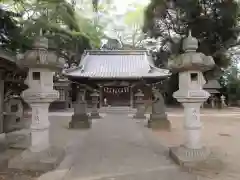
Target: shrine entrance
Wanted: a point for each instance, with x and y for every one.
(116, 96)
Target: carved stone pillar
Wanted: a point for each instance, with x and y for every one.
(95, 113)
(140, 114)
(80, 119)
(158, 117)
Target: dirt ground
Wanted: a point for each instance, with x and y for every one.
(60, 136)
(221, 135)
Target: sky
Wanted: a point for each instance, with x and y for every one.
(122, 5)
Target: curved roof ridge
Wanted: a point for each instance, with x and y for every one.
(111, 52)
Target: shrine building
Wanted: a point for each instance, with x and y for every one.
(117, 75)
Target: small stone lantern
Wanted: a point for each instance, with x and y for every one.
(95, 101)
(191, 66)
(140, 114)
(80, 119)
(41, 64)
(223, 103)
(158, 117)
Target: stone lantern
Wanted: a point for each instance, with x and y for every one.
(158, 117)
(223, 103)
(140, 114)
(95, 101)
(41, 64)
(80, 119)
(191, 66)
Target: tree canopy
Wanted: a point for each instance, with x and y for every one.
(213, 22)
(69, 32)
(10, 32)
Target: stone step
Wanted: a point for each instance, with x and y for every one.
(117, 109)
(152, 174)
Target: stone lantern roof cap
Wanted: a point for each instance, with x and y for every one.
(139, 94)
(190, 43)
(94, 94)
(41, 57)
(40, 43)
(191, 60)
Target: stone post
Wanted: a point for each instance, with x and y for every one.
(2, 134)
(213, 101)
(131, 97)
(158, 118)
(42, 64)
(95, 113)
(1, 100)
(190, 66)
(80, 119)
(223, 103)
(140, 114)
(101, 97)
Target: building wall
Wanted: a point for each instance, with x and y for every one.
(115, 96)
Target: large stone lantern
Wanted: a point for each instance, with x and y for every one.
(191, 66)
(41, 64)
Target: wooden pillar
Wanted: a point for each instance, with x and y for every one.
(131, 97)
(101, 96)
(1, 100)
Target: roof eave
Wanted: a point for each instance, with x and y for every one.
(119, 77)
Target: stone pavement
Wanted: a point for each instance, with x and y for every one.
(118, 148)
(175, 112)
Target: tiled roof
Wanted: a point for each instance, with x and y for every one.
(213, 91)
(212, 84)
(117, 64)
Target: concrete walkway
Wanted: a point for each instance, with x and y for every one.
(118, 148)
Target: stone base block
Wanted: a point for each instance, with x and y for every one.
(139, 116)
(158, 116)
(19, 139)
(80, 121)
(184, 156)
(38, 161)
(159, 122)
(95, 115)
(3, 161)
(3, 142)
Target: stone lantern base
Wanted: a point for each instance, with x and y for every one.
(95, 115)
(140, 114)
(159, 121)
(184, 156)
(3, 142)
(80, 121)
(46, 160)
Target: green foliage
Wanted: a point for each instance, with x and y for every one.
(136, 16)
(69, 33)
(231, 81)
(10, 36)
(93, 32)
(212, 22)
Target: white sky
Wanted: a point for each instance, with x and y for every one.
(122, 5)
